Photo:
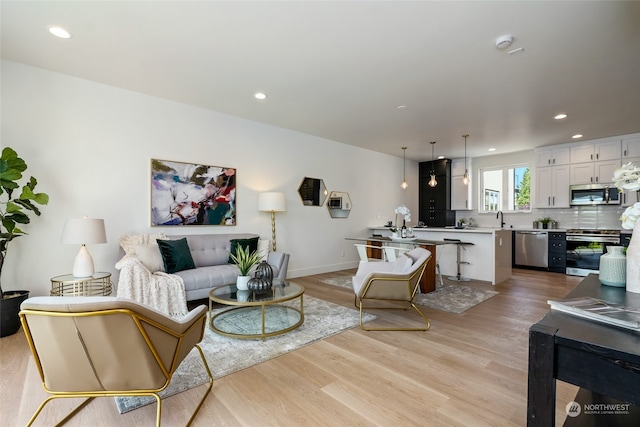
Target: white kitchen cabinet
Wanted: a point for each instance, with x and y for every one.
(582, 153)
(460, 194)
(604, 170)
(631, 148)
(609, 149)
(553, 156)
(629, 197)
(552, 187)
(593, 172)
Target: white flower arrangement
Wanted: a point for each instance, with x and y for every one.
(627, 177)
(404, 211)
(630, 216)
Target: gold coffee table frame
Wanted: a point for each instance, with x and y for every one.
(279, 293)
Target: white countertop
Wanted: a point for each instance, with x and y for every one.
(477, 230)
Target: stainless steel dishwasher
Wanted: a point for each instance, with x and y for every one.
(532, 249)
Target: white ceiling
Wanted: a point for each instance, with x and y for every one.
(340, 69)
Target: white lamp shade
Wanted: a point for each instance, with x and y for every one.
(84, 231)
(272, 202)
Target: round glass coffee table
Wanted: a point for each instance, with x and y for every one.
(257, 315)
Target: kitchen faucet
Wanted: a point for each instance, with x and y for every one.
(501, 216)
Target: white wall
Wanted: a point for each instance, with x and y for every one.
(89, 145)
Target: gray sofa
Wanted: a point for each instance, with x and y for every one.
(143, 277)
(210, 253)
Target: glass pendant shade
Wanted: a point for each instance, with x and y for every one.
(465, 178)
(404, 184)
(432, 181)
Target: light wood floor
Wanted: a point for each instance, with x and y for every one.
(468, 370)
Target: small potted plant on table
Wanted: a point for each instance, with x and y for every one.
(245, 260)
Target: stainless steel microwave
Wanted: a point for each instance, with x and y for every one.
(594, 194)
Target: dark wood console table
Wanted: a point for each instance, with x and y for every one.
(595, 356)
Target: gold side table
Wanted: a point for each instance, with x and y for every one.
(69, 285)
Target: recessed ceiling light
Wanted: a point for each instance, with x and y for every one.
(59, 32)
(260, 95)
(576, 136)
(560, 116)
(492, 149)
(401, 107)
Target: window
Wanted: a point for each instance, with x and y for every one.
(506, 189)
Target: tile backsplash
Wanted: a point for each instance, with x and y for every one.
(575, 217)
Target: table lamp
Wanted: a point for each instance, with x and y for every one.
(83, 231)
(272, 202)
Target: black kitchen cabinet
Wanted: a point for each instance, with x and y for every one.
(558, 251)
(435, 202)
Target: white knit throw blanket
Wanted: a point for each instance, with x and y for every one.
(162, 291)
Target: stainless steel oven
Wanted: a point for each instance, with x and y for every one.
(585, 247)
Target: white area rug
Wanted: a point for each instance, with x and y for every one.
(228, 355)
(451, 296)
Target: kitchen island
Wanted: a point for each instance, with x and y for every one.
(489, 257)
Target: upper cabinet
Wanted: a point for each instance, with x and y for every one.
(609, 149)
(460, 193)
(630, 147)
(593, 172)
(434, 203)
(587, 162)
(553, 156)
(552, 187)
(594, 162)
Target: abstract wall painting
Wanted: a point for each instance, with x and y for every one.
(192, 194)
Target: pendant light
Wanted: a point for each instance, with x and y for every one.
(404, 184)
(432, 182)
(465, 178)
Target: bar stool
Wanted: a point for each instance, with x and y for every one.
(460, 245)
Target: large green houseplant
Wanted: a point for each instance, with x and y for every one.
(14, 212)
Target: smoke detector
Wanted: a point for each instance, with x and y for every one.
(504, 42)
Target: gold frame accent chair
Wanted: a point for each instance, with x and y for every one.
(396, 283)
(88, 347)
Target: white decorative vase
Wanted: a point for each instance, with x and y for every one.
(242, 283)
(613, 267)
(243, 296)
(633, 261)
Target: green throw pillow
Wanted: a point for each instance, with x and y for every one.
(252, 243)
(176, 255)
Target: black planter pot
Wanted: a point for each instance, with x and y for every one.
(9, 309)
